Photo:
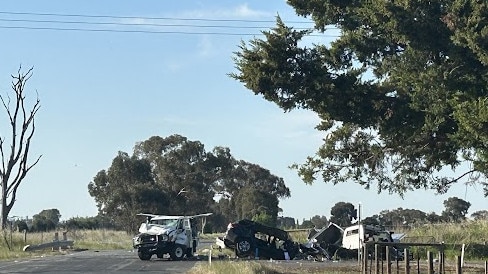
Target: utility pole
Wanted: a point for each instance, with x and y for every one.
(360, 232)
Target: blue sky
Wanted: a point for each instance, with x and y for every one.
(101, 92)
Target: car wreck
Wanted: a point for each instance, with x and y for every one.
(248, 238)
(162, 234)
(252, 239)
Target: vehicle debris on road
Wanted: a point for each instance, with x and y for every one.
(249, 239)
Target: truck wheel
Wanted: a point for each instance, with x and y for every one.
(143, 255)
(177, 253)
(189, 252)
(243, 247)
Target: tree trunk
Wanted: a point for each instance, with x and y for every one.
(14, 166)
(3, 210)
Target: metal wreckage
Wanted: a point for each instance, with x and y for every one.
(249, 239)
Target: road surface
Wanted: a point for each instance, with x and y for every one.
(114, 261)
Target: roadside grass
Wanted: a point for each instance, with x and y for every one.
(250, 267)
(101, 239)
(474, 234)
(83, 239)
(229, 268)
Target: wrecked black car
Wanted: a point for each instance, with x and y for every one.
(251, 239)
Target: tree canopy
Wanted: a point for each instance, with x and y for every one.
(342, 214)
(455, 209)
(177, 176)
(401, 93)
(46, 220)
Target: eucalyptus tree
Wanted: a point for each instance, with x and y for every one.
(480, 215)
(15, 147)
(125, 189)
(246, 189)
(182, 170)
(46, 220)
(401, 93)
(342, 214)
(455, 209)
(177, 176)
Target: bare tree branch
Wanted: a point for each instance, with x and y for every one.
(15, 166)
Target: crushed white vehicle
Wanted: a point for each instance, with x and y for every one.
(163, 234)
(333, 241)
(245, 238)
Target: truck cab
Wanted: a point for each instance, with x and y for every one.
(163, 234)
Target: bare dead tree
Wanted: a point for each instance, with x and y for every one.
(15, 151)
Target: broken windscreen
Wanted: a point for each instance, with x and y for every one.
(164, 222)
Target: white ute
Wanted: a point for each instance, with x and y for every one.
(163, 234)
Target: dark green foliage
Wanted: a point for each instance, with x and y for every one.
(21, 225)
(97, 222)
(306, 224)
(45, 220)
(402, 93)
(455, 209)
(342, 214)
(286, 223)
(177, 176)
(250, 202)
(125, 189)
(401, 217)
(433, 218)
(480, 215)
(265, 219)
(372, 220)
(319, 221)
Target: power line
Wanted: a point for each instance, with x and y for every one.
(126, 31)
(149, 18)
(145, 31)
(136, 24)
(170, 27)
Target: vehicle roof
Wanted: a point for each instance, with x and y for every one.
(168, 217)
(271, 231)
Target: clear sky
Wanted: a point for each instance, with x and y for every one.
(103, 91)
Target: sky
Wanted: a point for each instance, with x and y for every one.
(107, 85)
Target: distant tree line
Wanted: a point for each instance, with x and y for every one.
(342, 213)
(345, 214)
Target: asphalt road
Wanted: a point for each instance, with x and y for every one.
(115, 261)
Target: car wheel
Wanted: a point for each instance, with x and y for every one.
(144, 255)
(243, 247)
(177, 253)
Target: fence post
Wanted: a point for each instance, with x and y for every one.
(388, 259)
(430, 262)
(406, 257)
(210, 257)
(365, 259)
(56, 239)
(377, 258)
(459, 268)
